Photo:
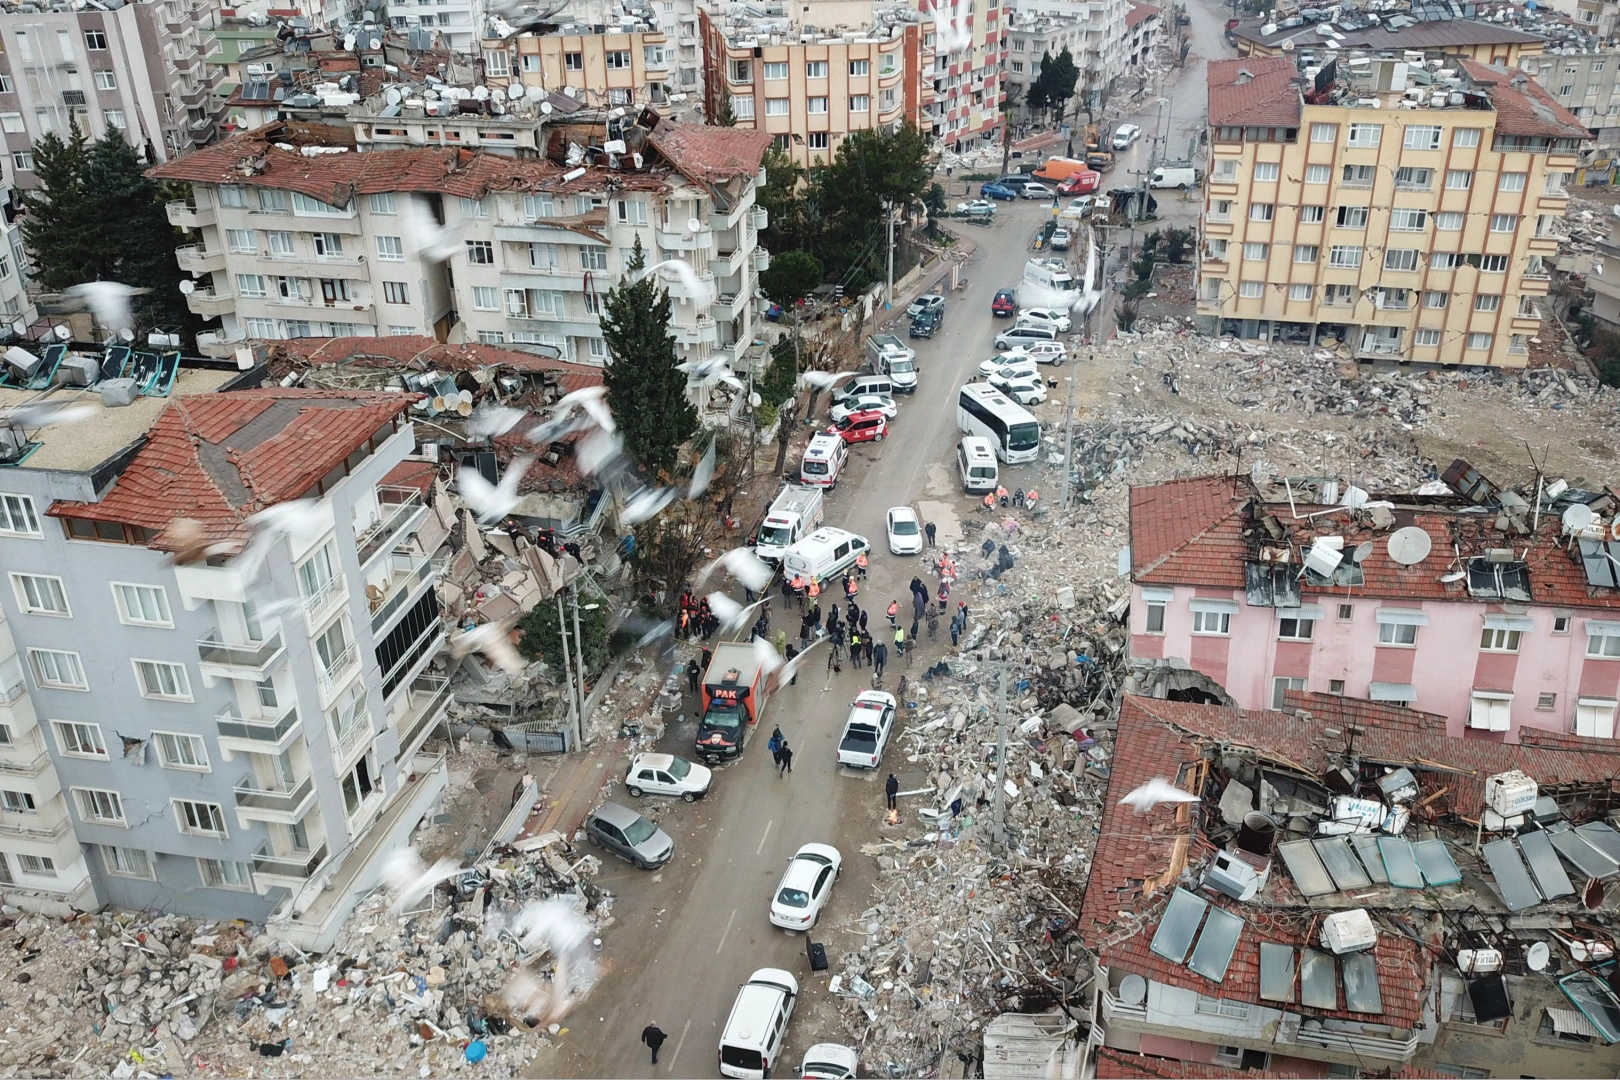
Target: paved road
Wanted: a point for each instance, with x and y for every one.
(686, 937)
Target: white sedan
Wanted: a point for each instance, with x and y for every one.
(665, 774)
(1051, 317)
(830, 1061)
(1047, 352)
(806, 886)
(865, 403)
(1024, 390)
(1036, 191)
(976, 206)
(905, 535)
(1013, 361)
(1078, 208)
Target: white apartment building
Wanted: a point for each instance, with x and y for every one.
(1103, 49)
(470, 246)
(136, 68)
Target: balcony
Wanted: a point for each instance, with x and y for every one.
(332, 676)
(183, 215)
(257, 735)
(762, 260)
(215, 343)
(353, 733)
(704, 332)
(320, 602)
(36, 832)
(677, 238)
(285, 804)
(729, 306)
(300, 867)
(31, 767)
(407, 575)
(402, 510)
(195, 259)
(210, 304)
(428, 696)
(426, 644)
(221, 660)
(681, 289)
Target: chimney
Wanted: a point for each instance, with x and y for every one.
(1244, 75)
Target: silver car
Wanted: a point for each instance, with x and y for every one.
(628, 835)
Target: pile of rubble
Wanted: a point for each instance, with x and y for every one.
(456, 981)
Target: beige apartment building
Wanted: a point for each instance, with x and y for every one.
(1410, 214)
(598, 68)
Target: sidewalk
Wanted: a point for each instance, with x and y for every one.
(571, 791)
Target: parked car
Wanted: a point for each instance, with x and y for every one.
(1005, 304)
(806, 886)
(665, 774)
(905, 536)
(997, 191)
(1054, 317)
(926, 302)
(757, 1027)
(1024, 390)
(976, 208)
(1015, 181)
(867, 730)
(1036, 190)
(881, 403)
(1023, 335)
(1125, 135)
(1005, 364)
(628, 835)
(865, 426)
(1078, 208)
(1046, 352)
(1061, 238)
(926, 324)
(830, 1061)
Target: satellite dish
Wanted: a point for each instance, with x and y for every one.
(545, 107)
(188, 286)
(62, 333)
(376, 43)
(1578, 518)
(1132, 990)
(754, 400)
(393, 96)
(1537, 955)
(536, 93)
(1409, 546)
(1363, 549)
(693, 225)
(1455, 575)
(1287, 45)
(514, 91)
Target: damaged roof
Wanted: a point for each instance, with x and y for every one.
(422, 353)
(218, 459)
(711, 155)
(1436, 34)
(1523, 106)
(1256, 91)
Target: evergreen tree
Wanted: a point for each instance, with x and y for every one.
(1039, 95)
(63, 230)
(1061, 77)
(725, 117)
(645, 391)
(136, 234)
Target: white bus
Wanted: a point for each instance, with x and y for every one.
(983, 410)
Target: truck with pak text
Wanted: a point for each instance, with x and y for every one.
(736, 689)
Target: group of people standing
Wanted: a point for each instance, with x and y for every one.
(695, 620)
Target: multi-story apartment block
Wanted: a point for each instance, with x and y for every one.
(598, 67)
(137, 68)
(228, 738)
(1143, 25)
(1594, 16)
(967, 97)
(1587, 83)
(1604, 281)
(1420, 228)
(16, 309)
(1098, 42)
(471, 246)
(459, 23)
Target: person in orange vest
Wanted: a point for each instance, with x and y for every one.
(860, 566)
(894, 609)
(990, 500)
(1031, 497)
(1001, 495)
(797, 585)
(814, 588)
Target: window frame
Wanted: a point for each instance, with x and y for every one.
(27, 607)
(1399, 630)
(182, 680)
(1497, 639)
(203, 875)
(1304, 628)
(50, 684)
(1224, 623)
(10, 508)
(60, 727)
(181, 738)
(85, 796)
(216, 813)
(121, 603)
(118, 871)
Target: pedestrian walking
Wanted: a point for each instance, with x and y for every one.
(785, 761)
(919, 605)
(775, 746)
(653, 1038)
(860, 566)
(791, 653)
(787, 592)
(894, 611)
(693, 674)
(781, 643)
(891, 788)
(956, 632)
(880, 657)
(854, 648)
(929, 530)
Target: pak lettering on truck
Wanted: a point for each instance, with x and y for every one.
(795, 513)
(735, 690)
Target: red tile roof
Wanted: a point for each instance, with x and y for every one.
(1140, 12)
(220, 458)
(1523, 106)
(1193, 532)
(1254, 90)
(419, 353)
(711, 155)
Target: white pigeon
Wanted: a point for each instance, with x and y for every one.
(646, 504)
(494, 640)
(820, 380)
(301, 521)
(766, 656)
(1156, 791)
(706, 367)
(700, 291)
(1090, 294)
(743, 565)
(438, 242)
(593, 400)
(409, 881)
(732, 615)
(702, 473)
(108, 302)
(492, 421)
(558, 428)
(951, 34)
(597, 450)
(549, 928)
(190, 542)
(42, 414)
(492, 501)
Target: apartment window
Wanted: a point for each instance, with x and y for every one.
(390, 249)
(497, 63)
(38, 594)
(776, 69)
(11, 123)
(1406, 220)
(1510, 181)
(1294, 628)
(1561, 624)
(1497, 639)
(816, 105)
(1365, 136)
(1422, 138)
(200, 818)
(224, 874)
(22, 161)
(815, 69)
(17, 802)
(1400, 259)
(1225, 169)
(632, 212)
(1338, 294)
(1489, 710)
(1217, 250)
(1281, 686)
(396, 292)
(742, 107)
(1344, 258)
(1448, 221)
(126, 862)
(860, 102)
(1426, 337)
(1312, 215)
(1392, 633)
(1603, 642)
(1251, 290)
(100, 807)
(1493, 264)
(859, 67)
(161, 679)
(776, 106)
(240, 241)
(1212, 622)
(491, 337)
(382, 202)
(593, 258)
(272, 201)
(264, 329)
(37, 865)
(1504, 223)
(1346, 612)
(1324, 133)
(1220, 210)
(1545, 701)
(1488, 302)
(360, 783)
(486, 298)
(1351, 217)
(1265, 170)
(77, 739)
(1480, 341)
(94, 40)
(1336, 686)
(401, 331)
(1262, 211)
(281, 243)
(1210, 1006)
(474, 208)
(816, 140)
(742, 71)
(481, 252)
(1409, 179)
(1254, 252)
(1594, 717)
(61, 670)
(1154, 623)
(291, 288)
(1444, 260)
(1519, 344)
(575, 61)
(1318, 174)
(1301, 292)
(1464, 138)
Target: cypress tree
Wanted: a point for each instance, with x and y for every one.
(644, 389)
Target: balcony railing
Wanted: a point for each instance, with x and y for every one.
(36, 832)
(432, 635)
(332, 674)
(381, 535)
(428, 696)
(33, 767)
(281, 799)
(11, 692)
(289, 866)
(251, 659)
(259, 730)
(400, 588)
(316, 603)
(350, 735)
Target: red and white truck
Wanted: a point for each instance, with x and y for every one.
(736, 689)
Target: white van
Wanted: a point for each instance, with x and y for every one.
(976, 461)
(1176, 176)
(823, 554)
(823, 461)
(856, 385)
(757, 1027)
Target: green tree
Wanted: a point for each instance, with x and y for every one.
(136, 234)
(60, 226)
(541, 641)
(645, 390)
(1038, 98)
(792, 276)
(725, 117)
(1060, 77)
(782, 373)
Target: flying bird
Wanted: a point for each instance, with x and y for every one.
(952, 34)
(1156, 791)
(820, 380)
(300, 521)
(732, 615)
(593, 400)
(548, 928)
(108, 302)
(42, 414)
(492, 421)
(742, 564)
(493, 501)
(646, 504)
(597, 450)
(191, 543)
(409, 881)
(494, 640)
(701, 292)
(703, 473)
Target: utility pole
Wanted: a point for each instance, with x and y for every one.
(998, 830)
(888, 291)
(574, 724)
(579, 663)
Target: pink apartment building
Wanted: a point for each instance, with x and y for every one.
(1503, 620)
